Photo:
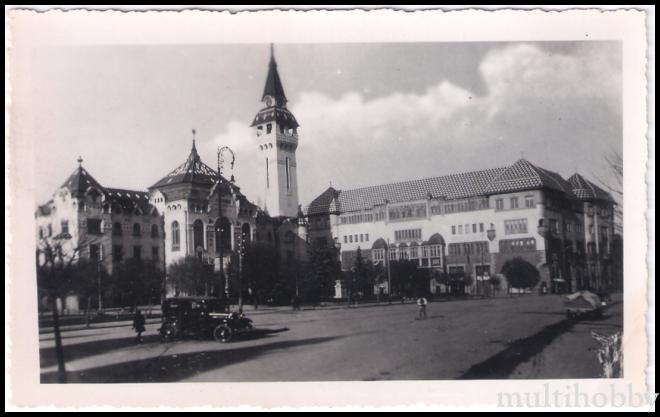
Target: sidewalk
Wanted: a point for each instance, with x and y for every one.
(577, 344)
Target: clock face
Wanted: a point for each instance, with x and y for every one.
(270, 101)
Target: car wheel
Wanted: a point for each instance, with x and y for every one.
(223, 333)
(168, 332)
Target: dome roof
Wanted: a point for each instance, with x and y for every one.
(192, 171)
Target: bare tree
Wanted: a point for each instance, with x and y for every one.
(58, 274)
(613, 182)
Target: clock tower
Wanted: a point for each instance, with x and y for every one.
(276, 131)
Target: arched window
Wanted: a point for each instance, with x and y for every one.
(116, 229)
(136, 229)
(175, 236)
(198, 235)
(154, 230)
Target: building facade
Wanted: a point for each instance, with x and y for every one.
(102, 224)
(192, 211)
(472, 223)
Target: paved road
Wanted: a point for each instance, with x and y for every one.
(490, 338)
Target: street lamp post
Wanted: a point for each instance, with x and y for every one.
(389, 272)
(221, 161)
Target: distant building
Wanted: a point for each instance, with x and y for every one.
(473, 222)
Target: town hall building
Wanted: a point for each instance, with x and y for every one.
(193, 211)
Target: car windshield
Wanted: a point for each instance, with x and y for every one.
(215, 306)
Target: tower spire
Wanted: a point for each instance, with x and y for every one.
(273, 87)
(194, 148)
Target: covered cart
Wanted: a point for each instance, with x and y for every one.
(582, 302)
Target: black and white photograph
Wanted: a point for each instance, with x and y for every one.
(278, 209)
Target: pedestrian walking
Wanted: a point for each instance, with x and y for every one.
(421, 303)
(138, 325)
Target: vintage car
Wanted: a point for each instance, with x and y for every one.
(202, 317)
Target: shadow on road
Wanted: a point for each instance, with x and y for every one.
(97, 347)
(82, 350)
(74, 336)
(97, 326)
(173, 368)
(501, 365)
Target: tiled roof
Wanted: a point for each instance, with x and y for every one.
(80, 181)
(520, 176)
(524, 176)
(453, 186)
(193, 170)
(322, 203)
(128, 199)
(278, 114)
(584, 189)
(467, 184)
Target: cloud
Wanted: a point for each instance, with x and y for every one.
(554, 107)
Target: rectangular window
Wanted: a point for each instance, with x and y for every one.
(474, 228)
(414, 252)
(267, 175)
(410, 234)
(481, 227)
(288, 176)
(137, 252)
(65, 226)
(154, 253)
(345, 239)
(515, 226)
(269, 128)
(460, 229)
(554, 226)
(425, 252)
(453, 230)
(366, 237)
(350, 238)
(378, 255)
(467, 229)
(529, 202)
(94, 226)
(499, 204)
(393, 254)
(514, 202)
(436, 251)
(361, 237)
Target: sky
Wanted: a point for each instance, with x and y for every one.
(369, 113)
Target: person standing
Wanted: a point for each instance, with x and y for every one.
(138, 325)
(421, 303)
